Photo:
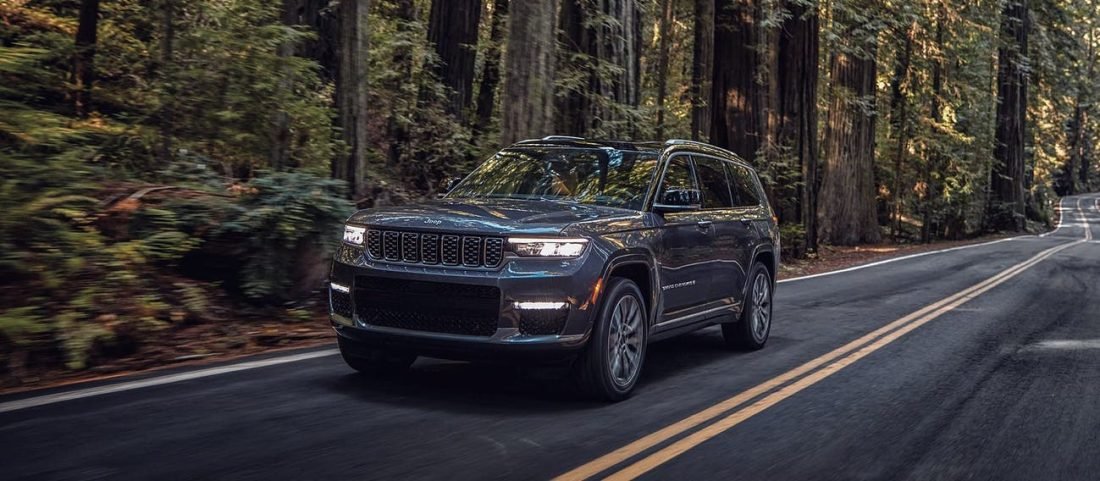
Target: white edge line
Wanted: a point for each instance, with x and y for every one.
(157, 381)
(896, 259)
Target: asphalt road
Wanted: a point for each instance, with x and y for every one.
(976, 363)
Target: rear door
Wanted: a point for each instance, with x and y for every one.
(719, 208)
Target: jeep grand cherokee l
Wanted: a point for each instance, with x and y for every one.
(562, 249)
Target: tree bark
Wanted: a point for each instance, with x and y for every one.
(1007, 203)
(702, 69)
(83, 72)
(736, 97)
(662, 65)
(899, 120)
(607, 56)
(453, 30)
(797, 74)
(397, 127)
(528, 100)
(490, 77)
(351, 95)
(279, 157)
(847, 201)
(166, 121)
(936, 162)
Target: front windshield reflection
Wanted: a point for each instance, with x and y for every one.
(600, 176)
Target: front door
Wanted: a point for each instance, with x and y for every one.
(686, 248)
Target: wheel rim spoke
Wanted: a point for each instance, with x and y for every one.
(624, 340)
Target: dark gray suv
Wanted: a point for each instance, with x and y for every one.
(562, 249)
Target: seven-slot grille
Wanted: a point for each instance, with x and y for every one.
(445, 249)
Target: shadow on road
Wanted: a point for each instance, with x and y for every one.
(505, 389)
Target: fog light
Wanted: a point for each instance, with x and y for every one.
(339, 287)
(540, 305)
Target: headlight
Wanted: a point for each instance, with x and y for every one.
(534, 247)
(354, 235)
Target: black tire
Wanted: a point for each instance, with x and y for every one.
(375, 362)
(593, 370)
(745, 334)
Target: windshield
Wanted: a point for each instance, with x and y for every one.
(609, 177)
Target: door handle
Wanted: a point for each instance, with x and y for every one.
(704, 224)
(746, 221)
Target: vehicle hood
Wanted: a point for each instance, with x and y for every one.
(499, 216)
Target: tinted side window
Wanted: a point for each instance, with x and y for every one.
(712, 181)
(678, 177)
(743, 185)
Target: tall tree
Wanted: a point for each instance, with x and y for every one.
(702, 69)
(900, 128)
(601, 65)
(528, 99)
(490, 72)
(165, 65)
(453, 30)
(83, 71)
(847, 200)
(351, 95)
(404, 13)
(662, 64)
(1007, 203)
(736, 98)
(796, 76)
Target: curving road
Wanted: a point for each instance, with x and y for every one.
(981, 363)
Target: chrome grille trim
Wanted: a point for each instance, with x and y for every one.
(451, 250)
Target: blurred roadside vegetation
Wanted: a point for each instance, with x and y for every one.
(111, 227)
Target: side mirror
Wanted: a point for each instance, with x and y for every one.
(679, 200)
(446, 185)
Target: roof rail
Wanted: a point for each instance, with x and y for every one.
(562, 137)
(701, 144)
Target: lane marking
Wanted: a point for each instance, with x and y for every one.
(681, 446)
(897, 259)
(644, 443)
(1084, 220)
(157, 381)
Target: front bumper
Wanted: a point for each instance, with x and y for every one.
(570, 282)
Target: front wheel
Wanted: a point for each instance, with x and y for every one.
(751, 331)
(612, 363)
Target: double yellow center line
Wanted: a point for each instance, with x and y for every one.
(802, 376)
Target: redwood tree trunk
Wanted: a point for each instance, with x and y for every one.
(453, 31)
(797, 81)
(702, 69)
(490, 77)
(736, 108)
(351, 95)
(662, 65)
(1007, 203)
(83, 74)
(606, 55)
(528, 99)
(847, 199)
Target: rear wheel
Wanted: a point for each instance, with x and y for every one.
(751, 331)
(611, 364)
(375, 361)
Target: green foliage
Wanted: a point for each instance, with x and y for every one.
(282, 214)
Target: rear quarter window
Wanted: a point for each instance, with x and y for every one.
(743, 186)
